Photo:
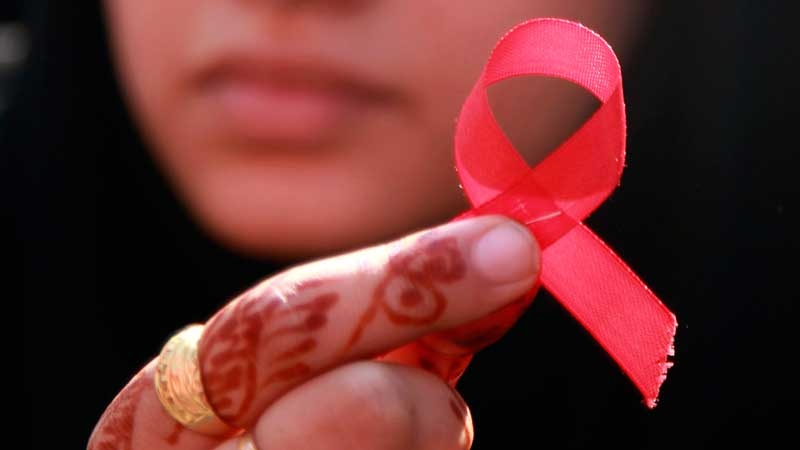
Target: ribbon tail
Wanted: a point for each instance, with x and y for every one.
(614, 305)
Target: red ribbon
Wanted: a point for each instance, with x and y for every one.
(553, 198)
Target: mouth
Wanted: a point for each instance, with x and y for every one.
(288, 101)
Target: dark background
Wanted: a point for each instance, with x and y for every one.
(707, 215)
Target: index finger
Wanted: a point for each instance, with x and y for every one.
(355, 306)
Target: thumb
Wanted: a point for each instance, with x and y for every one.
(359, 305)
(313, 317)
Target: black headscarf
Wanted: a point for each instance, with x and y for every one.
(112, 264)
(707, 215)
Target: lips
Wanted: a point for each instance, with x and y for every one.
(288, 102)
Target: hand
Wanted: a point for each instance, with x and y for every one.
(278, 360)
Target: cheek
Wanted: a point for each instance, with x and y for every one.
(152, 45)
(147, 41)
(407, 164)
(393, 173)
(396, 175)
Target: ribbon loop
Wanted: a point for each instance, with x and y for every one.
(552, 199)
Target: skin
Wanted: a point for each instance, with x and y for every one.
(402, 319)
(326, 302)
(420, 56)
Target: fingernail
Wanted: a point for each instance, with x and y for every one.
(506, 253)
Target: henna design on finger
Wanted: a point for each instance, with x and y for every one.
(448, 368)
(408, 293)
(296, 371)
(175, 436)
(472, 343)
(470, 338)
(115, 429)
(254, 332)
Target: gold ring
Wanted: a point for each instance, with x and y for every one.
(180, 388)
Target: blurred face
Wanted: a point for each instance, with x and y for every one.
(295, 128)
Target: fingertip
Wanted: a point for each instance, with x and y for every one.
(506, 253)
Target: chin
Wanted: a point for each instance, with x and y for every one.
(294, 236)
(301, 232)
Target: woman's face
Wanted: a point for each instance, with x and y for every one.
(294, 128)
